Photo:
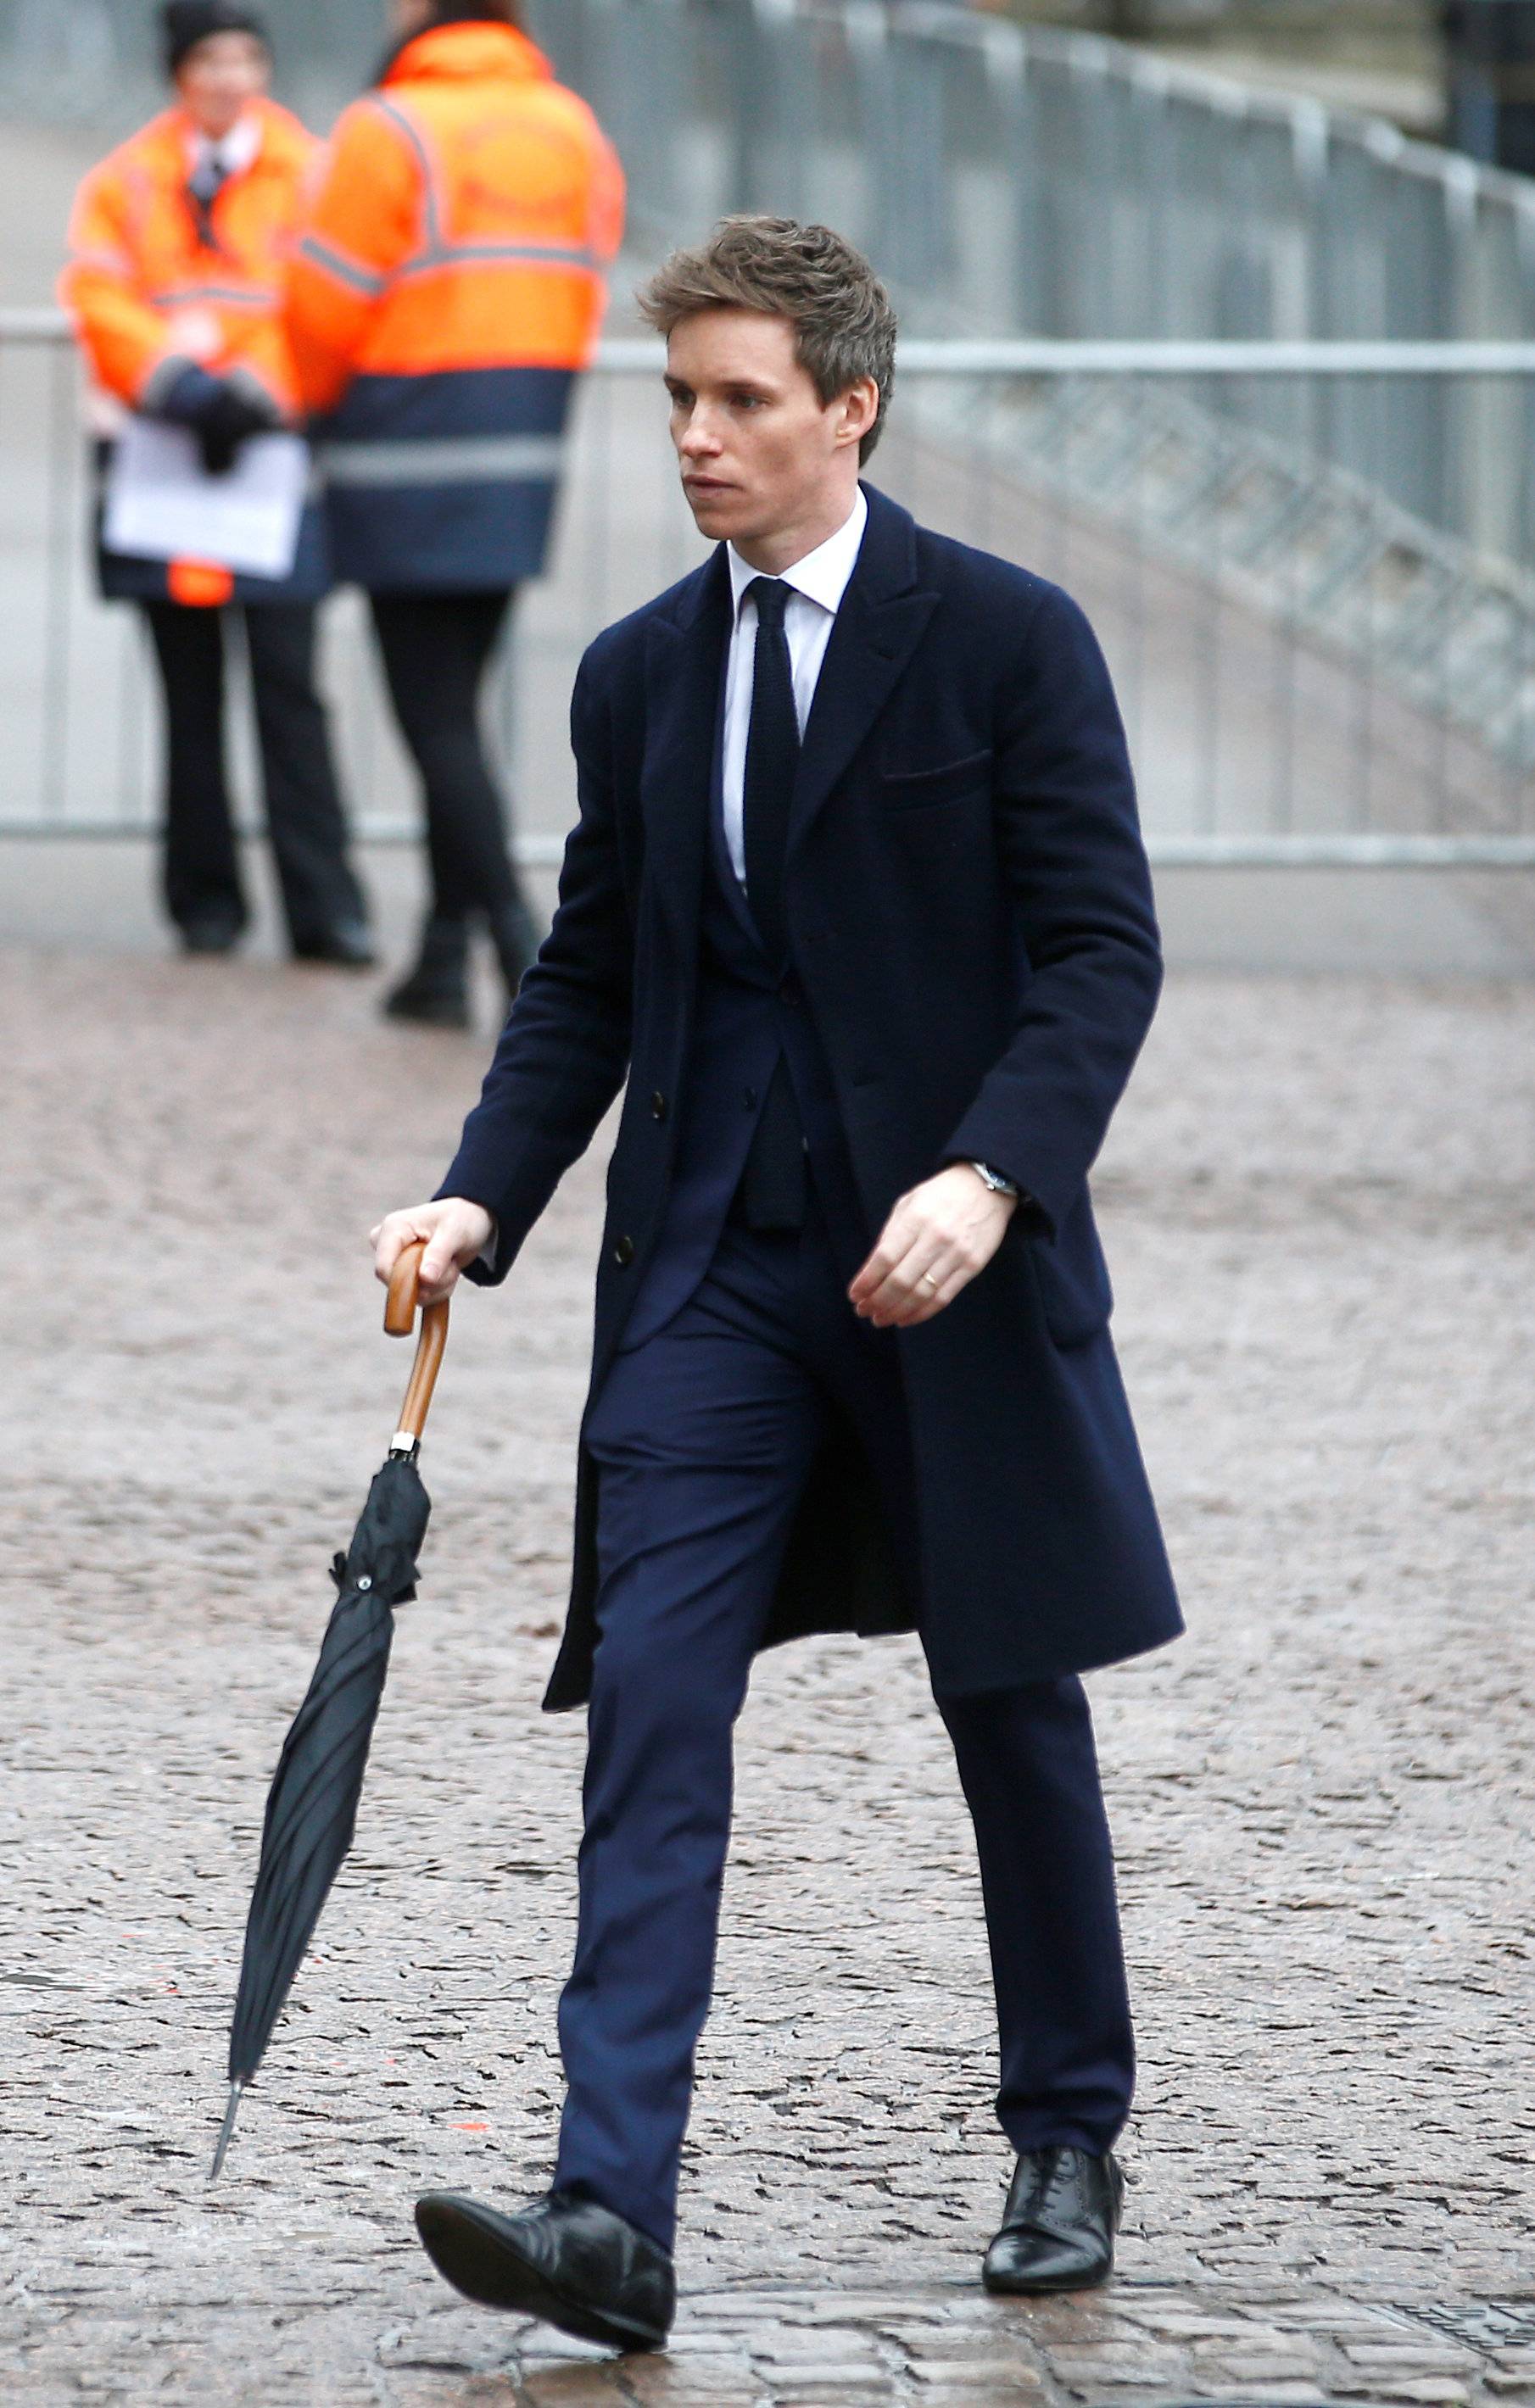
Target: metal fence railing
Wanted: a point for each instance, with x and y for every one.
(1010, 180)
(1026, 180)
(1311, 672)
(95, 60)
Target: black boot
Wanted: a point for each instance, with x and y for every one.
(514, 934)
(1059, 2223)
(437, 990)
(212, 931)
(346, 946)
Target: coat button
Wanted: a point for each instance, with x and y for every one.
(790, 991)
(623, 1253)
(658, 1106)
(750, 1099)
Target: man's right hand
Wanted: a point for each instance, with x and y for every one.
(455, 1232)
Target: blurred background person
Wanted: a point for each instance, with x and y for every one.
(448, 286)
(174, 281)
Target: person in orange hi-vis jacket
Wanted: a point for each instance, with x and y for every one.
(446, 289)
(174, 284)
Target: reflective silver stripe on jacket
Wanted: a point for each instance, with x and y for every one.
(431, 220)
(445, 460)
(228, 296)
(499, 254)
(339, 263)
(370, 282)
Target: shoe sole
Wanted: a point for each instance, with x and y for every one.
(478, 2260)
(1005, 2290)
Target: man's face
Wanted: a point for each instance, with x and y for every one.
(760, 452)
(220, 77)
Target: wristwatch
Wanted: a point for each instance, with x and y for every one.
(994, 1179)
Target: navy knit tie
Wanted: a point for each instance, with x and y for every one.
(772, 759)
(204, 185)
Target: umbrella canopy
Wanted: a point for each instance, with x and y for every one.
(311, 1808)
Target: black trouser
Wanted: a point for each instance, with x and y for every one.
(304, 815)
(436, 648)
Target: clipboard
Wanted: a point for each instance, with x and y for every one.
(162, 505)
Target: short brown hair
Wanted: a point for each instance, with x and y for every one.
(844, 324)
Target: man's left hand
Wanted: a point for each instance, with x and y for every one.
(936, 1239)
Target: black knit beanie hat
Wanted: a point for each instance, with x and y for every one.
(184, 23)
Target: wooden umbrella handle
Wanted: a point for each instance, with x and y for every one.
(400, 1320)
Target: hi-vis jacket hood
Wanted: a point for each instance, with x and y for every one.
(150, 293)
(447, 285)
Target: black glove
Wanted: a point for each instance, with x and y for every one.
(222, 412)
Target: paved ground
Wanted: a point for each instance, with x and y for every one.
(1319, 1205)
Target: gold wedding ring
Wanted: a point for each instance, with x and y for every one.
(930, 1279)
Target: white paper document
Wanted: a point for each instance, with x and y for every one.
(162, 505)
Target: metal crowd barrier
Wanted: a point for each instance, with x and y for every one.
(1310, 673)
(1008, 179)
(1022, 180)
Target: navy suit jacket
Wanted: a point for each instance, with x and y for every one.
(972, 936)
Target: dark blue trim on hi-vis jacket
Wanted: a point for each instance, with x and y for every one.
(443, 539)
(450, 401)
(446, 482)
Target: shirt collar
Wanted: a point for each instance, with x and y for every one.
(823, 575)
(237, 151)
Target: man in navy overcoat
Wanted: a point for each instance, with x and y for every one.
(858, 906)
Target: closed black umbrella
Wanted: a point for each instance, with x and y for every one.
(312, 1805)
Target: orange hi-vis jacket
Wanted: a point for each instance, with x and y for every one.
(150, 297)
(447, 287)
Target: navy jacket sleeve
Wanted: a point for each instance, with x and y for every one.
(1071, 840)
(565, 1049)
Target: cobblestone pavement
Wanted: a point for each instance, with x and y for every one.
(1318, 1201)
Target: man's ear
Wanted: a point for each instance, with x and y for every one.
(860, 408)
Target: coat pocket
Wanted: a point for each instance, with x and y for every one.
(1072, 1280)
(947, 780)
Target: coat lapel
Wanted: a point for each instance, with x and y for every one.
(877, 628)
(684, 655)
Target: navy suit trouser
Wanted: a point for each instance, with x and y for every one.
(704, 1435)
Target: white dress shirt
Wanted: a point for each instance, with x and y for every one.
(819, 582)
(234, 153)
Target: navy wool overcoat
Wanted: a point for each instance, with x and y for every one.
(971, 915)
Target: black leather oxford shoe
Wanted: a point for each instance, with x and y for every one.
(1059, 2223)
(576, 2265)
